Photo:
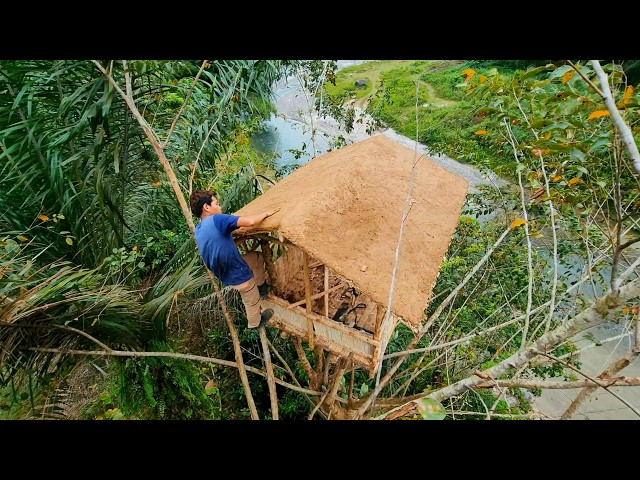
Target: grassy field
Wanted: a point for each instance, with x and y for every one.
(375, 71)
(420, 98)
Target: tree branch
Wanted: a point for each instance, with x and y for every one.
(184, 356)
(429, 322)
(618, 121)
(611, 370)
(590, 317)
(270, 377)
(184, 103)
(565, 364)
(186, 212)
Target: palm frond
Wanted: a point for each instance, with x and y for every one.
(59, 306)
(166, 295)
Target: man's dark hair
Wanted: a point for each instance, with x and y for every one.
(200, 198)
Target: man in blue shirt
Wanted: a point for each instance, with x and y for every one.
(244, 272)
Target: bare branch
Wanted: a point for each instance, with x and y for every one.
(562, 385)
(585, 78)
(586, 393)
(525, 329)
(270, 378)
(186, 212)
(197, 358)
(618, 121)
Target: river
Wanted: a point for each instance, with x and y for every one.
(288, 134)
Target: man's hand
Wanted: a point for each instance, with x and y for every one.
(251, 220)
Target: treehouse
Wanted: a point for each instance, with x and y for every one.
(330, 252)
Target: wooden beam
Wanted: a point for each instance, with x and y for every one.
(326, 310)
(362, 360)
(307, 294)
(377, 352)
(266, 236)
(352, 332)
(318, 295)
(377, 334)
(326, 291)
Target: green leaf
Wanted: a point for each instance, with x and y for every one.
(430, 409)
(568, 106)
(117, 415)
(534, 71)
(560, 71)
(364, 389)
(557, 146)
(558, 126)
(578, 155)
(601, 142)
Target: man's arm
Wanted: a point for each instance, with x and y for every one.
(251, 220)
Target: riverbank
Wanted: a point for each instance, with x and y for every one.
(293, 105)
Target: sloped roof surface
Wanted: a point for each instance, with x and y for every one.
(345, 209)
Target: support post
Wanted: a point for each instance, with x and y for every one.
(265, 246)
(307, 293)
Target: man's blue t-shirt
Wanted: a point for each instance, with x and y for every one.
(219, 251)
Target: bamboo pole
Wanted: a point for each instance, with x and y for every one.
(377, 335)
(318, 295)
(307, 292)
(326, 291)
(271, 382)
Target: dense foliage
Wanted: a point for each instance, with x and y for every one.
(91, 234)
(95, 254)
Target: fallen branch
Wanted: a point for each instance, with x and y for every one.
(183, 356)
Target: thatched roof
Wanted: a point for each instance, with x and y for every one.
(345, 209)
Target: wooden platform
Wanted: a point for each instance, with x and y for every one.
(328, 334)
